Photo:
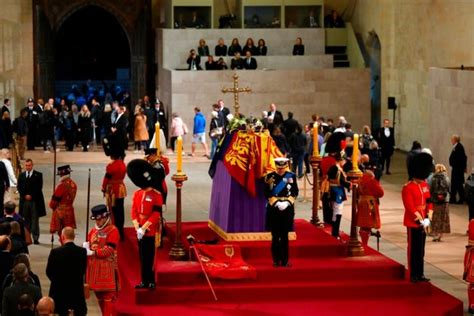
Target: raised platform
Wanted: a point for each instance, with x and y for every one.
(322, 281)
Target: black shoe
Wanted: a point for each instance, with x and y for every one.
(140, 285)
(414, 280)
(470, 310)
(388, 172)
(423, 279)
(286, 265)
(36, 242)
(151, 286)
(276, 264)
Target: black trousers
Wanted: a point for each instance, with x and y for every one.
(385, 160)
(281, 224)
(146, 249)
(416, 252)
(335, 226)
(457, 186)
(470, 205)
(118, 212)
(327, 210)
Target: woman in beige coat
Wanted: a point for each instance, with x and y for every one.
(140, 131)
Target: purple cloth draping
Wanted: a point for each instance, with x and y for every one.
(232, 208)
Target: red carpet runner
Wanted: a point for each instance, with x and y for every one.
(322, 281)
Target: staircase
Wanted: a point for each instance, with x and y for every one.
(340, 58)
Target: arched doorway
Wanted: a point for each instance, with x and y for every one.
(92, 54)
(374, 50)
(51, 17)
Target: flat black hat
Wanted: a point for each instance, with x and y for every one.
(150, 151)
(421, 166)
(30, 100)
(63, 170)
(333, 144)
(99, 211)
(142, 174)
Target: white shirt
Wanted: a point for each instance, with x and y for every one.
(118, 117)
(386, 131)
(11, 174)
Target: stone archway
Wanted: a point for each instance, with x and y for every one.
(374, 50)
(133, 16)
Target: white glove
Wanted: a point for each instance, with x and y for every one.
(282, 205)
(426, 222)
(86, 245)
(140, 233)
(89, 252)
(279, 205)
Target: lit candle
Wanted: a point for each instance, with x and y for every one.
(179, 156)
(157, 138)
(355, 153)
(315, 140)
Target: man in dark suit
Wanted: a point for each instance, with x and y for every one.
(194, 61)
(289, 125)
(222, 113)
(5, 107)
(119, 129)
(66, 270)
(458, 163)
(9, 215)
(32, 207)
(12, 294)
(250, 62)
(237, 62)
(386, 138)
(4, 181)
(275, 118)
(160, 116)
(311, 20)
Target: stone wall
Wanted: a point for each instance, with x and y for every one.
(416, 35)
(451, 104)
(327, 92)
(16, 52)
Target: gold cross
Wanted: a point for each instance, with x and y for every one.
(236, 90)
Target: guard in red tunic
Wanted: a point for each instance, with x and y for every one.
(468, 275)
(62, 201)
(418, 213)
(115, 191)
(146, 209)
(368, 214)
(102, 266)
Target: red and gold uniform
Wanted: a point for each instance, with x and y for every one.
(469, 267)
(418, 208)
(146, 209)
(115, 191)
(102, 266)
(62, 205)
(368, 214)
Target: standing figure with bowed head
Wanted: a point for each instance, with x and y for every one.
(418, 213)
(102, 264)
(62, 201)
(281, 190)
(147, 206)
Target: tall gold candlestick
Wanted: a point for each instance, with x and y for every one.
(355, 153)
(315, 140)
(157, 138)
(179, 156)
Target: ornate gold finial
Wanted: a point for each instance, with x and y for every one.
(236, 91)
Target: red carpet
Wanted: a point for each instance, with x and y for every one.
(322, 281)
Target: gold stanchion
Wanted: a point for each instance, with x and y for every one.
(178, 252)
(355, 247)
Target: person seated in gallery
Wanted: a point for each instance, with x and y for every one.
(261, 49)
(194, 61)
(249, 46)
(234, 47)
(179, 23)
(211, 64)
(237, 62)
(250, 62)
(333, 20)
(311, 20)
(221, 48)
(203, 49)
(221, 64)
(298, 48)
(276, 23)
(196, 21)
(254, 22)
